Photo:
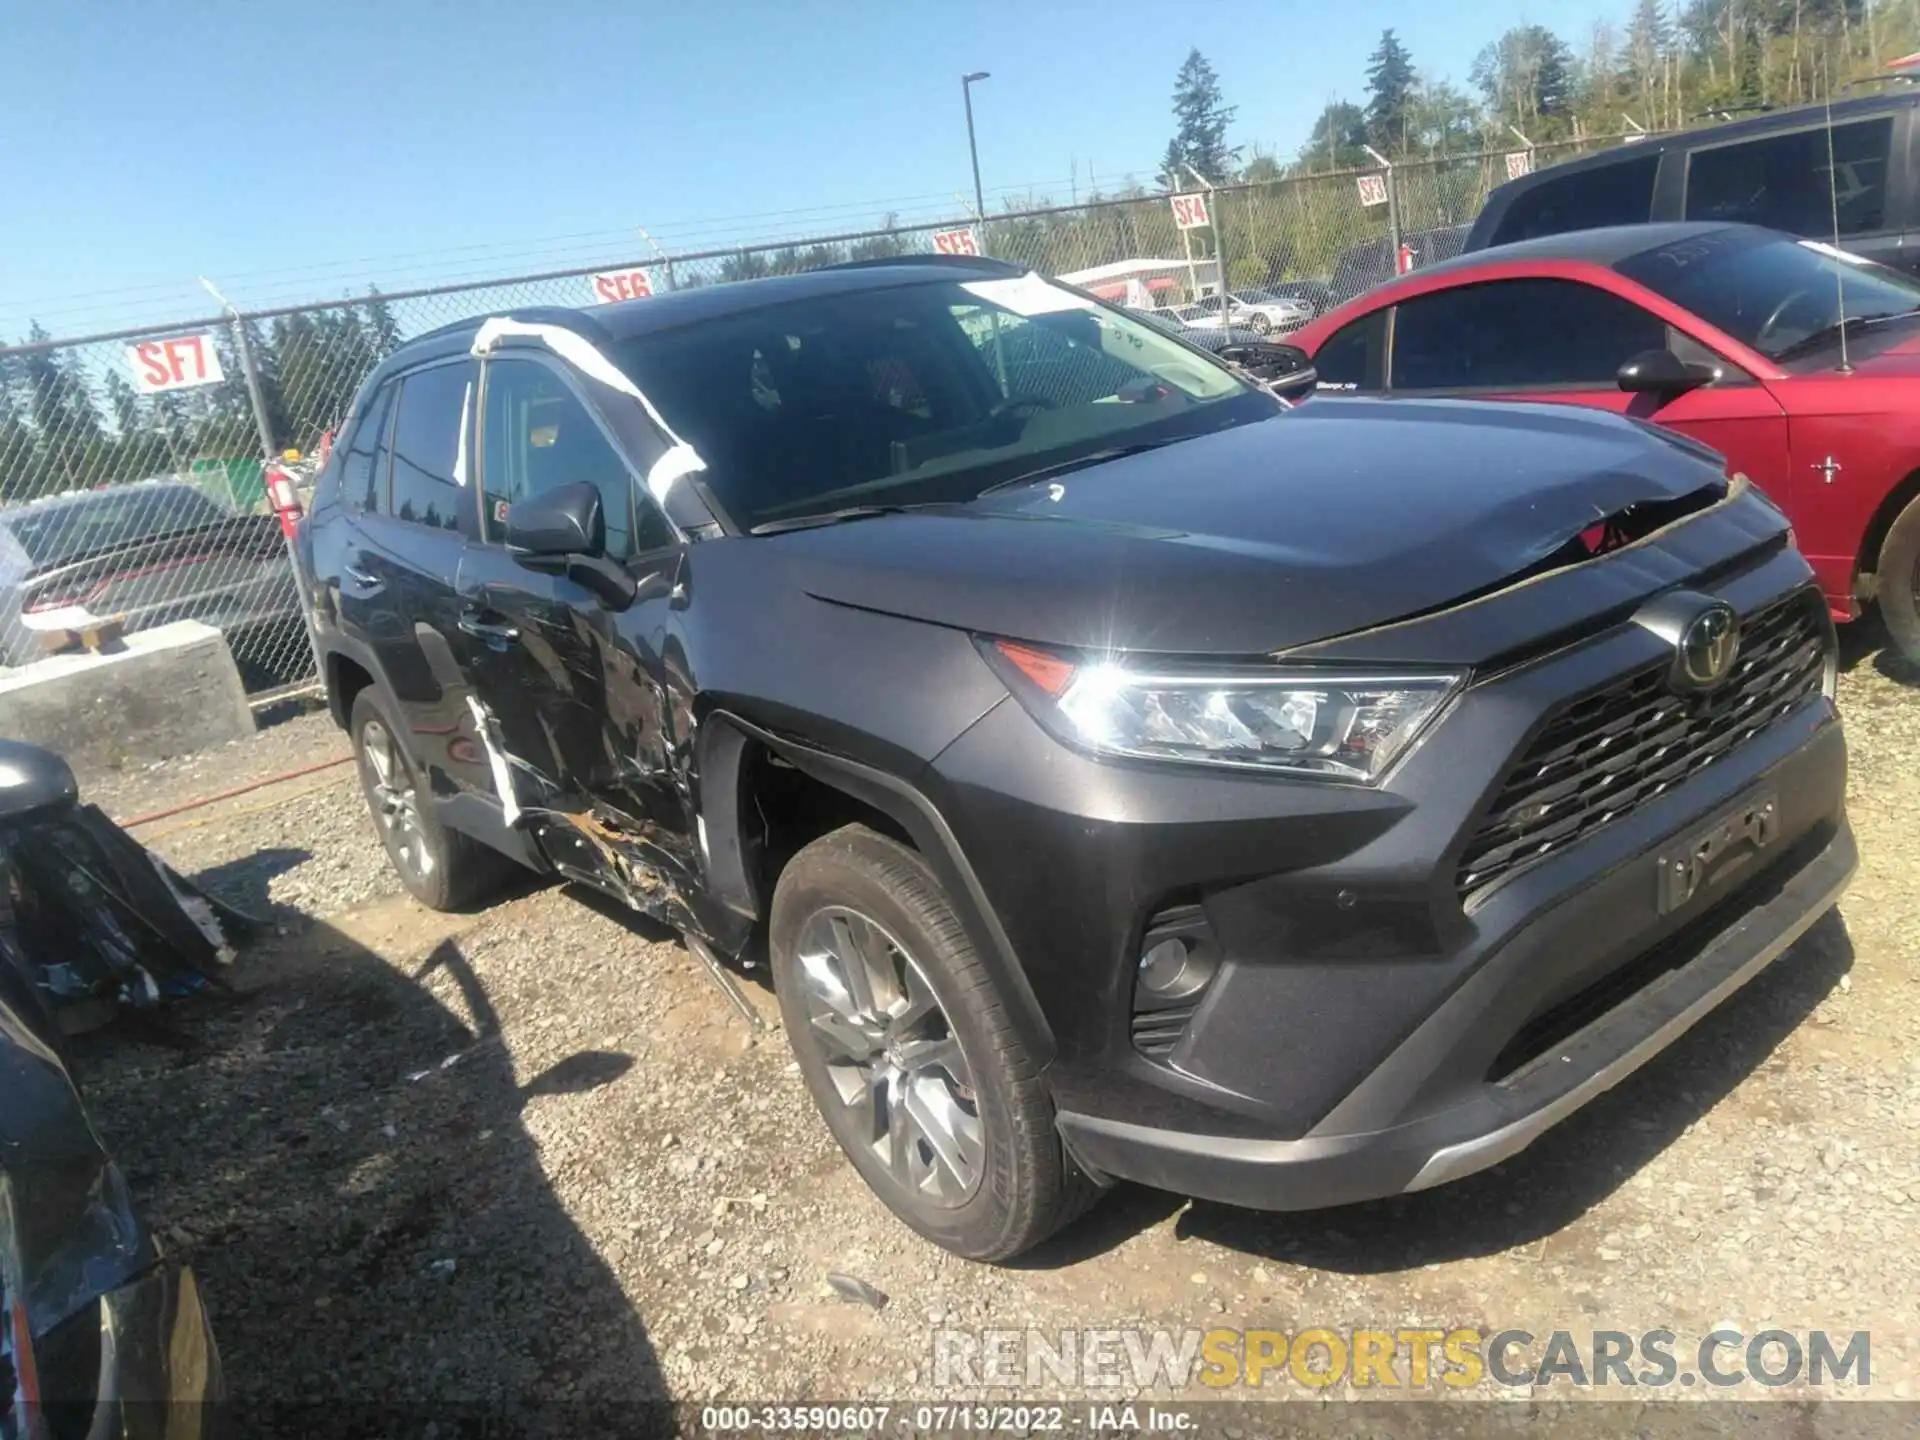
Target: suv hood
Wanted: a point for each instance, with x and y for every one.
(1336, 516)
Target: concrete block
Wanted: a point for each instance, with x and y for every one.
(172, 691)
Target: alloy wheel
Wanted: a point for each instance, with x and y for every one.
(395, 801)
(891, 1055)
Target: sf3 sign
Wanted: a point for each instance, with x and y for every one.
(612, 285)
(956, 242)
(1190, 212)
(174, 362)
(1373, 189)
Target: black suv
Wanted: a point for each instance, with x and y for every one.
(1768, 169)
(1127, 775)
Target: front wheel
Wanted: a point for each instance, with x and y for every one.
(909, 1054)
(441, 868)
(1261, 324)
(1899, 582)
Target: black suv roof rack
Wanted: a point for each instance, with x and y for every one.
(958, 262)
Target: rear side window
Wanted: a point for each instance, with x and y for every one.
(1518, 335)
(429, 446)
(1617, 194)
(1353, 357)
(1781, 180)
(363, 469)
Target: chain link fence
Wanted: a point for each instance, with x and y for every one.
(131, 463)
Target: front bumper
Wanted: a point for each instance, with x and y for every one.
(1376, 1024)
(1502, 1117)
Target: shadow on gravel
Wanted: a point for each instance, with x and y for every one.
(340, 1156)
(244, 883)
(1573, 1166)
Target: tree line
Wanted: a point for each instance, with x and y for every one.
(70, 419)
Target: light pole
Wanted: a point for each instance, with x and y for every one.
(973, 150)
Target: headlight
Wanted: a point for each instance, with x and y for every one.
(1326, 723)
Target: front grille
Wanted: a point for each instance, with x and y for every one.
(1605, 754)
(1156, 1032)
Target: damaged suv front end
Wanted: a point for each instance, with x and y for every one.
(1370, 912)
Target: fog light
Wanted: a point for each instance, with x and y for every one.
(1178, 957)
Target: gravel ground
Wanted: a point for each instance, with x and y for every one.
(528, 1159)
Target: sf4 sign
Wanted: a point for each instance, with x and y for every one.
(613, 285)
(956, 242)
(1373, 189)
(1190, 212)
(174, 362)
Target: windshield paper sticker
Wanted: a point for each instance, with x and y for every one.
(1028, 295)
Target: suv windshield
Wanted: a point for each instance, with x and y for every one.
(1783, 297)
(921, 393)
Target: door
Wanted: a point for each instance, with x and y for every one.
(1564, 341)
(427, 523)
(574, 693)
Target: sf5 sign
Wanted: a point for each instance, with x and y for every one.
(174, 362)
(956, 242)
(621, 285)
(1190, 212)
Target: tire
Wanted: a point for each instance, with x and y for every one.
(441, 868)
(946, 1119)
(1262, 324)
(1898, 578)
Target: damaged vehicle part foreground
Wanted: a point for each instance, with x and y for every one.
(1129, 777)
(103, 1336)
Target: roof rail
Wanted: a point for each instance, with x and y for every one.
(1897, 77)
(1727, 112)
(578, 321)
(958, 262)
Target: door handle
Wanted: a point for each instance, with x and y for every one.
(362, 578)
(493, 632)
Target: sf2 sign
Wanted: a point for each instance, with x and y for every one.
(956, 242)
(615, 285)
(1519, 162)
(1190, 212)
(174, 362)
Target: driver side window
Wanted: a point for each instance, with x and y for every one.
(1518, 335)
(536, 435)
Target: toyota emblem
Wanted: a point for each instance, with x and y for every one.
(1706, 649)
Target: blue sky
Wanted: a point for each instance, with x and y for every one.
(296, 151)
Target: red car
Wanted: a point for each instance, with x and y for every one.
(1798, 362)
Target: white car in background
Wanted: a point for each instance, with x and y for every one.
(1258, 310)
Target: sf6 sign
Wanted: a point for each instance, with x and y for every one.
(615, 285)
(174, 362)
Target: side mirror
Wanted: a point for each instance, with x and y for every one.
(557, 524)
(1286, 370)
(1661, 372)
(563, 531)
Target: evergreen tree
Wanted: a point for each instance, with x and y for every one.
(381, 326)
(1201, 117)
(1338, 140)
(1389, 94)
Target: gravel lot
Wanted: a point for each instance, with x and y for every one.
(528, 1160)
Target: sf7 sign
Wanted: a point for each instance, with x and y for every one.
(1190, 212)
(174, 362)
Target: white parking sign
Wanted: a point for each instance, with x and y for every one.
(1373, 189)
